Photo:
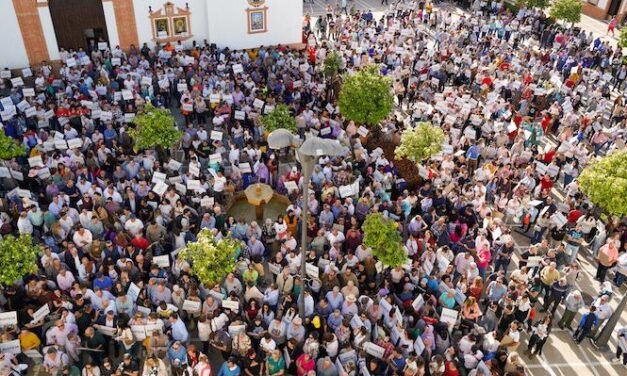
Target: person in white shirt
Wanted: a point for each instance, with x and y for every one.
(24, 225)
(82, 238)
(133, 225)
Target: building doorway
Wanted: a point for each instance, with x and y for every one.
(613, 9)
(77, 22)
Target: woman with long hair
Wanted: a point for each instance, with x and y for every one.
(541, 330)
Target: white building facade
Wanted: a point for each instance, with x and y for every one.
(35, 30)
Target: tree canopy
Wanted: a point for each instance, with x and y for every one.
(622, 37)
(280, 117)
(9, 149)
(366, 96)
(566, 10)
(211, 259)
(605, 183)
(18, 257)
(420, 142)
(541, 4)
(155, 127)
(332, 64)
(381, 234)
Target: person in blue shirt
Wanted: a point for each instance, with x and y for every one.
(177, 354)
(178, 331)
(473, 154)
(587, 322)
(229, 368)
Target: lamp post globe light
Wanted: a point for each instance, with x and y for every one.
(312, 148)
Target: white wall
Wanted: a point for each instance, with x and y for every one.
(228, 24)
(51, 38)
(198, 19)
(13, 53)
(112, 26)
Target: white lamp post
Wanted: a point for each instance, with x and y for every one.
(312, 148)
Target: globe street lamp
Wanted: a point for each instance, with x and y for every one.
(312, 148)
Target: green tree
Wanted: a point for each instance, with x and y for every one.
(366, 96)
(18, 258)
(211, 259)
(622, 37)
(332, 64)
(566, 10)
(280, 117)
(420, 142)
(154, 128)
(381, 234)
(605, 183)
(9, 149)
(541, 4)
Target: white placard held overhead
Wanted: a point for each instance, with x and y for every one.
(216, 135)
(191, 306)
(230, 304)
(449, 316)
(374, 350)
(102, 46)
(11, 347)
(193, 185)
(161, 261)
(41, 313)
(17, 81)
(240, 115)
(245, 168)
(238, 68)
(8, 318)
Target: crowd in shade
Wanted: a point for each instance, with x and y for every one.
(524, 105)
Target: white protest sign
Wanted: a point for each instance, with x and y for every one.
(133, 292)
(35, 161)
(449, 316)
(191, 306)
(41, 313)
(230, 304)
(216, 135)
(11, 347)
(193, 185)
(161, 261)
(160, 188)
(374, 350)
(8, 318)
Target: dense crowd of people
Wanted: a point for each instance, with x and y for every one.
(524, 104)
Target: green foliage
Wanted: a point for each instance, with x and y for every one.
(211, 260)
(18, 257)
(366, 96)
(420, 142)
(381, 234)
(8, 148)
(622, 37)
(567, 10)
(155, 127)
(280, 117)
(529, 4)
(605, 183)
(332, 64)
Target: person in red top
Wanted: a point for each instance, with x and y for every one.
(450, 369)
(140, 242)
(305, 364)
(546, 183)
(574, 215)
